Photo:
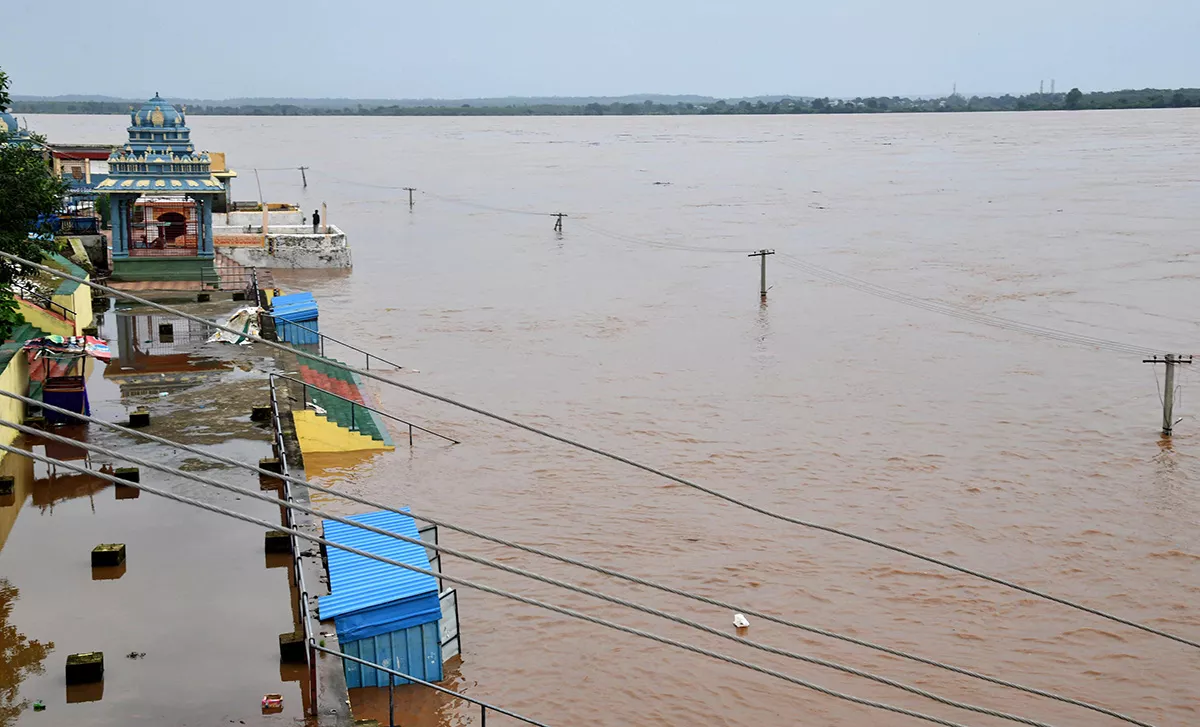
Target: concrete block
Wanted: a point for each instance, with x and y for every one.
(107, 555)
(260, 414)
(126, 492)
(277, 542)
(139, 417)
(292, 647)
(85, 668)
(6, 484)
(203, 297)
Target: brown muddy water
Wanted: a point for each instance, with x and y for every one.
(1028, 458)
(189, 624)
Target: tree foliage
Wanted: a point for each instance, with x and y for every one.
(19, 657)
(29, 194)
(1127, 99)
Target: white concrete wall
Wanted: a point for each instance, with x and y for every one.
(274, 217)
(296, 247)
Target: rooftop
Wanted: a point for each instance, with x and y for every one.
(357, 583)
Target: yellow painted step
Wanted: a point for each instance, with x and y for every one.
(318, 434)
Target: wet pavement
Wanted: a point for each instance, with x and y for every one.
(189, 625)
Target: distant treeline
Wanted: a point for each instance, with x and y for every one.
(1072, 100)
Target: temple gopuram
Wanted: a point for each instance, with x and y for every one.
(162, 194)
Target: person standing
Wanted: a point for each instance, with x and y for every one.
(316, 220)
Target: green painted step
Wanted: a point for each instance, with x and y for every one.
(338, 410)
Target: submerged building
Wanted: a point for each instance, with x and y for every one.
(162, 193)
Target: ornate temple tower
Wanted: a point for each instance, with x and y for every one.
(162, 193)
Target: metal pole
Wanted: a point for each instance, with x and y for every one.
(1169, 397)
(352, 408)
(482, 716)
(762, 284)
(410, 435)
(312, 673)
(303, 177)
(391, 701)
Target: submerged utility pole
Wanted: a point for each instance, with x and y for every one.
(762, 285)
(304, 177)
(1168, 398)
(558, 222)
(410, 191)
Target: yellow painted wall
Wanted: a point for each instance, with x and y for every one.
(318, 434)
(21, 470)
(48, 322)
(14, 379)
(81, 302)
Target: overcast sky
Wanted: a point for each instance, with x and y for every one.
(474, 48)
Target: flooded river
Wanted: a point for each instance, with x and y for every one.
(640, 330)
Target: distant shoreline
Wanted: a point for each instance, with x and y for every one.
(642, 106)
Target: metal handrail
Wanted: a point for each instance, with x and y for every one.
(31, 293)
(323, 336)
(298, 567)
(484, 706)
(306, 386)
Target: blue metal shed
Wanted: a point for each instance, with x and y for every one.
(293, 315)
(383, 613)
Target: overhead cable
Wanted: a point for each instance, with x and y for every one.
(576, 562)
(630, 462)
(524, 573)
(483, 588)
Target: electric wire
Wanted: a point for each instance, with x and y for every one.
(633, 463)
(949, 309)
(576, 562)
(527, 574)
(483, 588)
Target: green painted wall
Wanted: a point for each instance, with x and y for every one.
(173, 268)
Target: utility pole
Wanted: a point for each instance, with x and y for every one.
(762, 285)
(304, 177)
(558, 222)
(410, 191)
(1168, 399)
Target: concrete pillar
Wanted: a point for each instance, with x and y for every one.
(206, 231)
(120, 218)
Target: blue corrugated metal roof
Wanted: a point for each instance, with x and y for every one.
(295, 307)
(357, 583)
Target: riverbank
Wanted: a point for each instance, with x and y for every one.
(650, 105)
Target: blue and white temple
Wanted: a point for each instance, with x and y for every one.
(162, 192)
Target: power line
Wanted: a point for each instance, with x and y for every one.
(950, 309)
(483, 588)
(682, 247)
(240, 516)
(572, 561)
(632, 463)
(528, 574)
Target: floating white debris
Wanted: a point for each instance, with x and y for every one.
(740, 621)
